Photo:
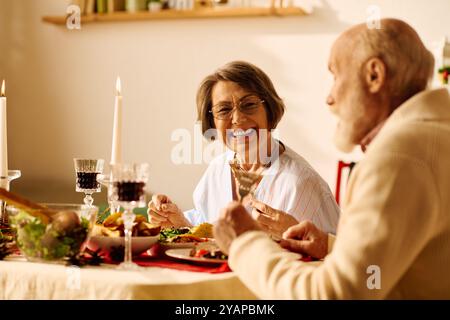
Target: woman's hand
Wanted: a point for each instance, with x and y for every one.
(162, 211)
(306, 238)
(271, 220)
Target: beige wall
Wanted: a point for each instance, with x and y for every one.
(61, 84)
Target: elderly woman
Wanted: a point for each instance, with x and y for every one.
(239, 101)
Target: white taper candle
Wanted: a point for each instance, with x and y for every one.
(3, 134)
(116, 151)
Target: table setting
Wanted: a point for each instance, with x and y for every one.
(46, 249)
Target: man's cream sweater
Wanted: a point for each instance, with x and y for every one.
(393, 238)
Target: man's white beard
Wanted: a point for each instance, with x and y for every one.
(342, 139)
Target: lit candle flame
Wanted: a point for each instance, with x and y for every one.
(3, 88)
(118, 86)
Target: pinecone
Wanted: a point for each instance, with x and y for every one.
(117, 253)
(88, 257)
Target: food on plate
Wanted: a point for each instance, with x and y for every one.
(211, 253)
(113, 226)
(185, 238)
(200, 233)
(204, 230)
(168, 233)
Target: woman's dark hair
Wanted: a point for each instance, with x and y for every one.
(248, 77)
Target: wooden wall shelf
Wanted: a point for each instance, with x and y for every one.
(183, 14)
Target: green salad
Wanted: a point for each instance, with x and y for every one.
(168, 233)
(62, 238)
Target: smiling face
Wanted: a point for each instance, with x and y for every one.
(240, 133)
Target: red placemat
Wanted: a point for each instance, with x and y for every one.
(185, 266)
(155, 257)
(146, 260)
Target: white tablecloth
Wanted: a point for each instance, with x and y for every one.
(20, 279)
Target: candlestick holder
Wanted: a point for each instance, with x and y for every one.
(5, 183)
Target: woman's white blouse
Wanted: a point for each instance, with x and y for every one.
(290, 184)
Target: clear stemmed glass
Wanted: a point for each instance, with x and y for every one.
(106, 181)
(87, 171)
(129, 181)
(4, 183)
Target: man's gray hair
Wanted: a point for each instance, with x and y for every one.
(409, 64)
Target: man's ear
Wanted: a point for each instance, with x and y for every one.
(375, 74)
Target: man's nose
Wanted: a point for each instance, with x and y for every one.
(330, 100)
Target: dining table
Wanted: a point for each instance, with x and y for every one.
(22, 279)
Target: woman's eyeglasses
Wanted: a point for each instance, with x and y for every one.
(224, 110)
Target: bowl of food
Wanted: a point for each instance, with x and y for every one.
(60, 238)
(108, 237)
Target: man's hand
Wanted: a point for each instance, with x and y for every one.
(234, 221)
(306, 238)
(271, 220)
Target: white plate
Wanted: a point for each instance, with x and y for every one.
(184, 254)
(138, 244)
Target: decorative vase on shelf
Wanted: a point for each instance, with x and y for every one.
(240, 3)
(181, 4)
(135, 5)
(154, 5)
(101, 6)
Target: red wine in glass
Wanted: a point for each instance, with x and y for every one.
(128, 191)
(87, 181)
(86, 172)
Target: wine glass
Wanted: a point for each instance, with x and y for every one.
(105, 180)
(87, 171)
(129, 181)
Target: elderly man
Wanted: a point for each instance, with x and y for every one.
(393, 238)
